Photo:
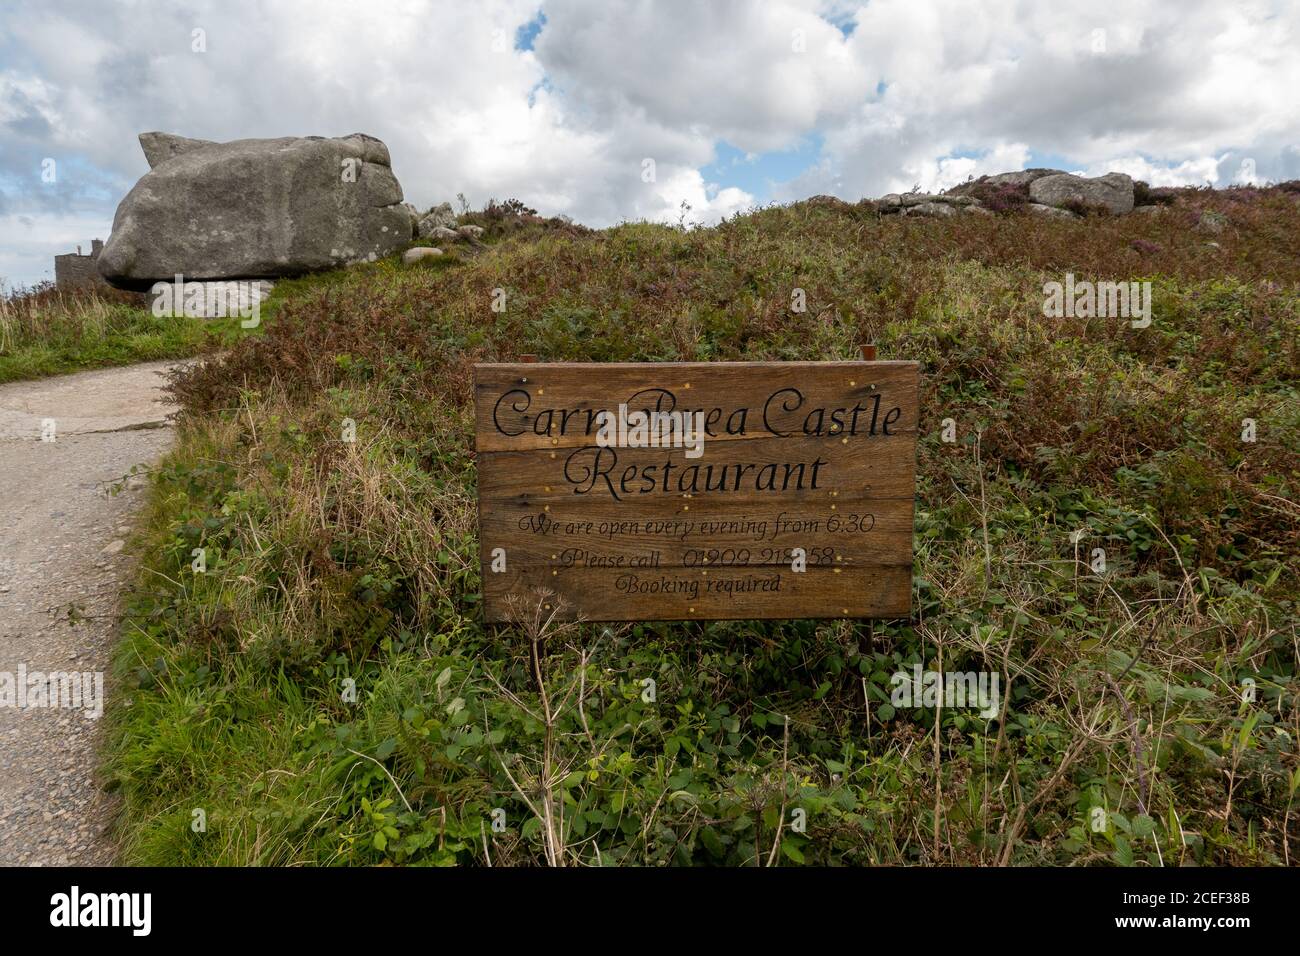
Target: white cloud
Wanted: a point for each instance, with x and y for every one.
(920, 92)
(936, 175)
(32, 242)
(757, 74)
(1175, 83)
(1191, 172)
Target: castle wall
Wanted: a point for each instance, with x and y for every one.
(73, 270)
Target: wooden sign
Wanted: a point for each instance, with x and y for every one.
(692, 491)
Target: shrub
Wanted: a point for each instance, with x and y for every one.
(1081, 207)
(1144, 195)
(1005, 198)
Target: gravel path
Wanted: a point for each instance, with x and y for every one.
(61, 540)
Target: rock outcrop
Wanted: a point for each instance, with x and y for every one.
(1020, 177)
(926, 204)
(1046, 192)
(255, 208)
(439, 217)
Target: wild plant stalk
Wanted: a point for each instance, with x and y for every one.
(539, 626)
(780, 817)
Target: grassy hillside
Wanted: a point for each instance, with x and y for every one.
(332, 564)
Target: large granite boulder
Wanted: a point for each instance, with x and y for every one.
(255, 208)
(1114, 191)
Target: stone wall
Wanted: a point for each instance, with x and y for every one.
(74, 270)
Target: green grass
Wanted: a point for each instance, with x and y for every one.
(45, 332)
(334, 566)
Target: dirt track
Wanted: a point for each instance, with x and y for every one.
(61, 539)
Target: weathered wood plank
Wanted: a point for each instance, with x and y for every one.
(867, 531)
(705, 594)
(553, 405)
(730, 470)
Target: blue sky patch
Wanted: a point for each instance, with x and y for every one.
(527, 33)
(758, 173)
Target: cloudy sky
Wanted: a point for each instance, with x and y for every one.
(560, 102)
